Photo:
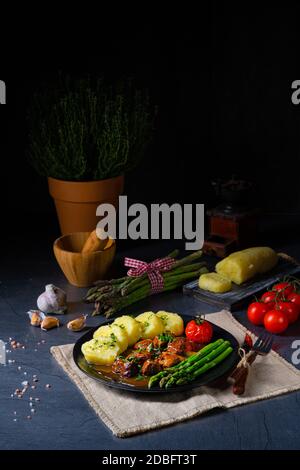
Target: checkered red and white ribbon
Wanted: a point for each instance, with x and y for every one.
(153, 270)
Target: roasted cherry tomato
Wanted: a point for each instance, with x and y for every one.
(290, 309)
(199, 330)
(256, 312)
(276, 321)
(284, 288)
(295, 298)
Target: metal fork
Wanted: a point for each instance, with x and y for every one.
(261, 347)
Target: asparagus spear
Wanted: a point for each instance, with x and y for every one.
(186, 363)
(104, 282)
(187, 259)
(194, 367)
(205, 367)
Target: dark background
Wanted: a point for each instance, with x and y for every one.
(223, 86)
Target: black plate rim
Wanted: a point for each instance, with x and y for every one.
(231, 361)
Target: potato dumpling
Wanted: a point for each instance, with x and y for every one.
(101, 351)
(213, 282)
(173, 322)
(132, 327)
(243, 265)
(113, 331)
(151, 325)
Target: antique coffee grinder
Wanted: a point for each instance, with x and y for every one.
(233, 223)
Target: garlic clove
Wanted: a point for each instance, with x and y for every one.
(77, 324)
(49, 322)
(36, 317)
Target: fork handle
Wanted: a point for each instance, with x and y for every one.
(242, 375)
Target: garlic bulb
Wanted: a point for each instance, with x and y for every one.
(36, 317)
(53, 300)
(49, 322)
(77, 324)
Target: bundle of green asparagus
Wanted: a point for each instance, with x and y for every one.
(113, 295)
(194, 366)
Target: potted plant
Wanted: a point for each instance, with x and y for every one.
(84, 136)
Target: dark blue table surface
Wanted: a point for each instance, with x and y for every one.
(63, 418)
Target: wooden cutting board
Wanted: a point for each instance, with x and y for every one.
(235, 297)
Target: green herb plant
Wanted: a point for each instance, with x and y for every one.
(85, 130)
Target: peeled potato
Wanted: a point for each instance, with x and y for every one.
(101, 351)
(132, 327)
(152, 325)
(114, 331)
(213, 282)
(173, 322)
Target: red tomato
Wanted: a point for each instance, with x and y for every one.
(271, 305)
(290, 309)
(256, 312)
(199, 330)
(285, 288)
(295, 298)
(276, 321)
(269, 298)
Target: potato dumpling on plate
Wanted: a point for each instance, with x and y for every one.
(101, 351)
(113, 331)
(152, 325)
(132, 327)
(173, 322)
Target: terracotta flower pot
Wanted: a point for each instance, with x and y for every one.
(76, 202)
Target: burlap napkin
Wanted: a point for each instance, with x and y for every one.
(127, 413)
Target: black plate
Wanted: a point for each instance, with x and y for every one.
(210, 376)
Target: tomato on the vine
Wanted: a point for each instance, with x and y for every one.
(199, 330)
(295, 298)
(269, 298)
(284, 289)
(256, 312)
(276, 321)
(290, 309)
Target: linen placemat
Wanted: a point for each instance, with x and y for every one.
(128, 413)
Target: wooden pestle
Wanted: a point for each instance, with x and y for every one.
(93, 243)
